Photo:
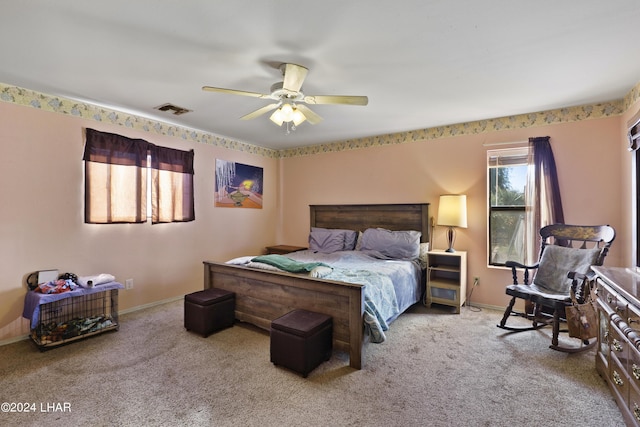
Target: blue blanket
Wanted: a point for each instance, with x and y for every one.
(389, 286)
(380, 301)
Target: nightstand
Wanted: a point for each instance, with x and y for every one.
(446, 278)
(283, 249)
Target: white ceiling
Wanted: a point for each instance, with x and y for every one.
(422, 63)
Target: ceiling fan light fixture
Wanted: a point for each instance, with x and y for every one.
(287, 112)
(276, 117)
(298, 117)
(290, 103)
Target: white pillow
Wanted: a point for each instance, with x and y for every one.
(241, 260)
(359, 241)
(320, 271)
(262, 266)
(424, 248)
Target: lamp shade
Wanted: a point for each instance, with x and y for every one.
(452, 211)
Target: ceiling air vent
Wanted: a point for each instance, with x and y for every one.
(173, 108)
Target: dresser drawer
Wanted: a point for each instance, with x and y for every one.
(619, 380)
(618, 345)
(633, 321)
(611, 301)
(634, 403)
(603, 336)
(633, 367)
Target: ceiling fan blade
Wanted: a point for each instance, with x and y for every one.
(312, 117)
(294, 75)
(260, 111)
(235, 92)
(336, 99)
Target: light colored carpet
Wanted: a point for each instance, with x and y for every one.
(435, 369)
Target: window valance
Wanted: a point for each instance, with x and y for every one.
(129, 180)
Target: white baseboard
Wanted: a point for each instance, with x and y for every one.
(486, 306)
(120, 313)
(14, 339)
(151, 304)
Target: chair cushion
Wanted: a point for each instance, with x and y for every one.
(538, 295)
(557, 262)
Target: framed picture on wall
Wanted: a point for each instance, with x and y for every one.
(238, 185)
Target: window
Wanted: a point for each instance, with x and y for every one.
(124, 176)
(524, 196)
(507, 177)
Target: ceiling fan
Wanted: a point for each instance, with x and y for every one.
(290, 101)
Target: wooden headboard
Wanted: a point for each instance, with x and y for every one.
(396, 217)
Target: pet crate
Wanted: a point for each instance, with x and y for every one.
(77, 317)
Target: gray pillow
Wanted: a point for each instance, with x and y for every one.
(557, 262)
(350, 236)
(393, 244)
(326, 241)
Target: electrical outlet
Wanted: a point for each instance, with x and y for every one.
(128, 284)
(476, 281)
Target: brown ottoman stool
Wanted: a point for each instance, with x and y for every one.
(301, 340)
(209, 311)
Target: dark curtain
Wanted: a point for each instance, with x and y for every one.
(545, 201)
(172, 185)
(103, 147)
(546, 182)
(634, 133)
(115, 178)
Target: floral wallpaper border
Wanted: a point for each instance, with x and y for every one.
(83, 110)
(61, 105)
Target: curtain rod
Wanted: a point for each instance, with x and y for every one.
(492, 144)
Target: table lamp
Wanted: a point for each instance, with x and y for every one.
(452, 212)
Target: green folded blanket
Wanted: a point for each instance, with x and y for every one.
(288, 264)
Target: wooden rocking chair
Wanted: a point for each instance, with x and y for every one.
(564, 249)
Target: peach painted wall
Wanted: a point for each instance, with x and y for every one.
(42, 224)
(588, 156)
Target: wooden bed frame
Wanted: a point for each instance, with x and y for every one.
(262, 295)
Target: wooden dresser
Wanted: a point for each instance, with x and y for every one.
(618, 351)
